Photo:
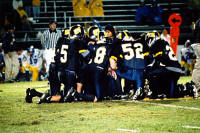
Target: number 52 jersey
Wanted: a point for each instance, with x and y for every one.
(134, 53)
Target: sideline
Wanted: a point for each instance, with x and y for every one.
(126, 130)
(191, 127)
(166, 105)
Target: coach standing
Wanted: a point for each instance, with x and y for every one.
(49, 40)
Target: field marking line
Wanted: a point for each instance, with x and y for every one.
(192, 127)
(167, 105)
(126, 130)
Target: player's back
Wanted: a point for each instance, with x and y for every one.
(100, 55)
(163, 53)
(134, 54)
(65, 54)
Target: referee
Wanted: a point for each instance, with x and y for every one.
(49, 40)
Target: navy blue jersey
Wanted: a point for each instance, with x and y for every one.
(66, 55)
(134, 53)
(8, 42)
(100, 55)
(164, 55)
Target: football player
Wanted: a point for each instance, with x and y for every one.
(165, 70)
(35, 62)
(62, 70)
(134, 63)
(87, 54)
(187, 58)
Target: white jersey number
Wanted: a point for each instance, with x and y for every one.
(100, 54)
(171, 53)
(64, 53)
(138, 50)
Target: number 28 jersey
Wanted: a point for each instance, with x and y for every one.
(134, 53)
(163, 53)
(101, 54)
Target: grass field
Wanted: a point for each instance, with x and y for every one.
(161, 116)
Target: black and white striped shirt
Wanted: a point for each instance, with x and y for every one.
(50, 38)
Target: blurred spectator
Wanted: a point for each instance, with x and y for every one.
(155, 12)
(165, 36)
(10, 56)
(188, 58)
(142, 13)
(96, 8)
(20, 10)
(28, 6)
(25, 23)
(36, 9)
(80, 8)
(2, 65)
(16, 4)
(26, 26)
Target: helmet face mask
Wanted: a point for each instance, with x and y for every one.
(94, 32)
(101, 38)
(124, 35)
(151, 37)
(76, 32)
(31, 50)
(65, 33)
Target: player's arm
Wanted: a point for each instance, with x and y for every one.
(89, 51)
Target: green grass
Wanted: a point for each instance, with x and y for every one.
(16, 116)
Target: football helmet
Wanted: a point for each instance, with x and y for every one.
(151, 37)
(76, 32)
(65, 33)
(31, 49)
(101, 38)
(124, 35)
(93, 32)
(188, 43)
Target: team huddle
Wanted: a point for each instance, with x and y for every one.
(91, 68)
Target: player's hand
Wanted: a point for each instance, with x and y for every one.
(113, 64)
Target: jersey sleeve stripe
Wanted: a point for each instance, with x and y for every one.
(81, 51)
(159, 53)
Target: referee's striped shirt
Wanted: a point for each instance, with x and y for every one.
(50, 38)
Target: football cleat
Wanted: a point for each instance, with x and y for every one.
(131, 93)
(124, 97)
(45, 98)
(191, 89)
(137, 94)
(195, 92)
(28, 97)
(70, 95)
